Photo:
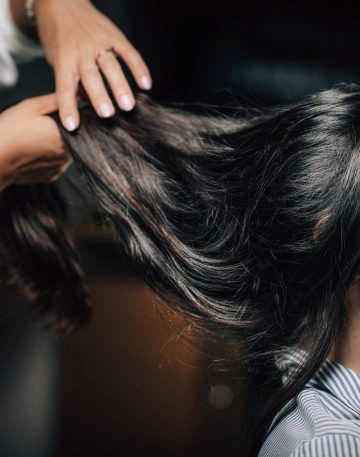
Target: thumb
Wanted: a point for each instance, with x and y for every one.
(43, 104)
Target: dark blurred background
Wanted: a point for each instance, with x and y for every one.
(128, 384)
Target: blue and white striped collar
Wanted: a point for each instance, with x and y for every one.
(338, 380)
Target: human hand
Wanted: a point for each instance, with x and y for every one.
(31, 149)
(74, 35)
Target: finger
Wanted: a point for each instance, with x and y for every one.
(66, 89)
(66, 166)
(111, 69)
(54, 178)
(56, 174)
(41, 165)
(42, 176)
(43, 104)
(95, 89)
(135, 62)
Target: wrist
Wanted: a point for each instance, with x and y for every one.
(37, 7)
(38, 4)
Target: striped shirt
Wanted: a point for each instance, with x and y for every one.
(325, 420)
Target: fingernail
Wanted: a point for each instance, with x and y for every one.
(70, 123)
(106, 110)
(126, 103)
(145, 82)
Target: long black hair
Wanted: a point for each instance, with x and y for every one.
(220, 211)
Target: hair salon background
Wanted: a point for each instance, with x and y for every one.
(126, 384)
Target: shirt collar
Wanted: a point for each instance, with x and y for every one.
(340, 381)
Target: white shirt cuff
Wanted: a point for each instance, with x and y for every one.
(15, 47)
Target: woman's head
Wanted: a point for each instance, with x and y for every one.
(234, 203)
(250, 224)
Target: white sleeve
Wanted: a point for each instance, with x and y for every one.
(15, 47)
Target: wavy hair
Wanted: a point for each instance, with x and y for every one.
(220, 212)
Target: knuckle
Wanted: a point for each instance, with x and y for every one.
(65, 106)
(65, 82)
(122, 90)
(65, 109)
(134, 57)
(98, 97)
(64, 88)
(65, 64)
(81, 45)
(108, 64)
(95, 89)
(121, 84)
(127, 47)
(60, 61)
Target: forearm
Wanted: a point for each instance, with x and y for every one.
(18, 12)
(18, 8)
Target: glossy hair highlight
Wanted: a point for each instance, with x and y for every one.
(220, 212)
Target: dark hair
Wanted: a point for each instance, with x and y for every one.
(220, 212)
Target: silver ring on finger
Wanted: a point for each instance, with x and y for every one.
(104, 51)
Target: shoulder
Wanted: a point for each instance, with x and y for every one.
(330, 445)
(314, 428)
